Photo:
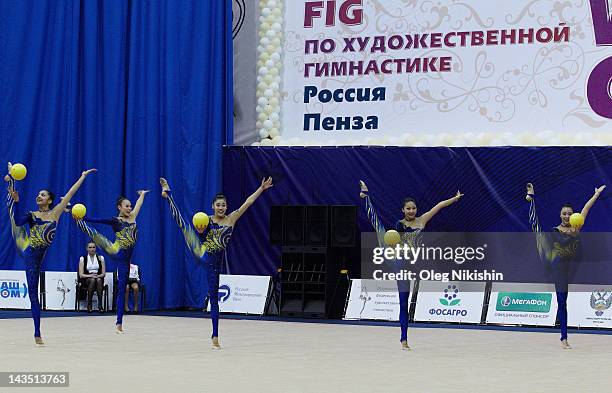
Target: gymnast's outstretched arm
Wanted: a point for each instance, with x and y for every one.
(441, 205)
(59, 208)
(236, 214)
(591, 201)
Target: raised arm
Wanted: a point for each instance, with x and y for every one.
(441, 205)
(236, 214)
(138, 205)
(591, 201)
(59, 208)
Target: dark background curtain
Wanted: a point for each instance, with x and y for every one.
(493, 180)
(137, 89)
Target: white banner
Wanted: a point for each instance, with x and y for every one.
(60, 290)
(14, 289)
(243, 294)
(454, 301)
(590, 306)
(374, 300)
(435, 73)
(522, 304)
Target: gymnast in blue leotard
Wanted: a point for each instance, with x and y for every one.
(208, 244)
(126, 234)
(410, 228)
(33, 246)
(559, 249)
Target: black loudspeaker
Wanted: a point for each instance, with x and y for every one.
(276, 225)
(319, 252)
(317, 221)
(343, 226)
(293, 225)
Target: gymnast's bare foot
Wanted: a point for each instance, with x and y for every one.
(165, 186)
(119, 329)
(364, 189)
(215, 343)
(39, 341)
(405, 346)
(530, 192)
(565, 344)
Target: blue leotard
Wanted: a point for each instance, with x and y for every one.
(121, 250)
(207, 247)
(409, 236)
(558, 251)
(32, 247)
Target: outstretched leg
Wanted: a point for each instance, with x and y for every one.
(100, 240)
(191, 238)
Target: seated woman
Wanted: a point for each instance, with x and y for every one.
(134, 283)
(92, 270)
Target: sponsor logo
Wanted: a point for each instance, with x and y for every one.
(524, 301)
(601, 301)
(450, 298)
(224, 293)
(12, 289)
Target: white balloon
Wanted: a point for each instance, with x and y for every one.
(273, 132)
(263, 71)
(266, 11)
(268, 124)
(265, 41)
(275, 56)
(262, 101)
(266, 142)
(263, 133)
(274, 116)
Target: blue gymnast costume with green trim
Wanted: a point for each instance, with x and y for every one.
(411, 237)
(207, 247)
(32, 247)
(558, 251)
(121, 251)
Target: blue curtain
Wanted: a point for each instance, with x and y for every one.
(137, 89)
